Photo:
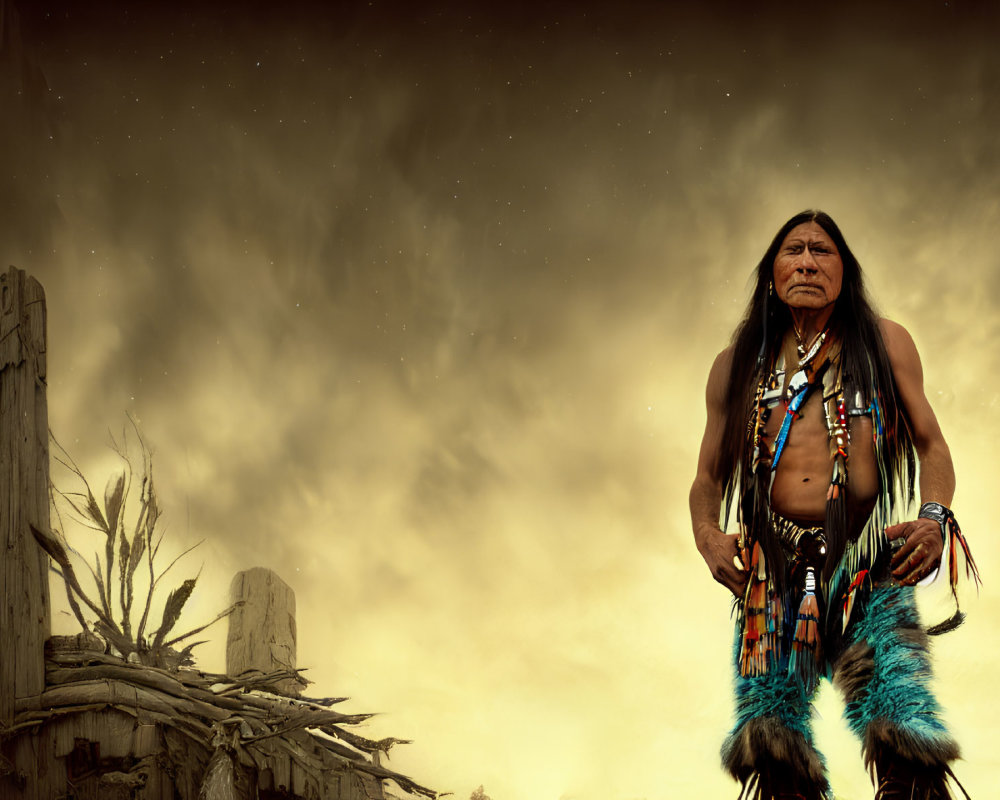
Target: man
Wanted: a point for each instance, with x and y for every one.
(816, 419)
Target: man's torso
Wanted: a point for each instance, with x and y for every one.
(802, 480)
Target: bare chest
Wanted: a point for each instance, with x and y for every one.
(805, 469)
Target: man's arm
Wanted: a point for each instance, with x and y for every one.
(922, 551)
(717, 548)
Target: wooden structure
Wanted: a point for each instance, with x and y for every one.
(107, 729)
(78, 722)
(24, 490)
(262, 636)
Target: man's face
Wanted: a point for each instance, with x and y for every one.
(808, 271)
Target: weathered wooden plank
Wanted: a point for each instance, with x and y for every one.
(187, 761)
(17, 769)
(128, 673)
(117, 735)
(298, 780)
(265, 779)
(47, 775)
(64, 733)
(262, 634)
(24, 463)
(37, 773)
(355, 788)
(365, 786)
(122, 694)
(146, 740)
(159, 787)
(281, 766)
(114, 732)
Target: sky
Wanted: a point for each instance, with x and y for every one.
(415, 304)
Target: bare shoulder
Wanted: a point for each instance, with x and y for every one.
(723, 362)
(909, 375)
(718, 377)
(902, 351)
(898, 341)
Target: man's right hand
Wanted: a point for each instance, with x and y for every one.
(722, 555)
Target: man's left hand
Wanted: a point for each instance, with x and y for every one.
(921, 550)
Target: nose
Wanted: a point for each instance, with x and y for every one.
(807, 263)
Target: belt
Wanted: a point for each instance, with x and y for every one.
(803, 545)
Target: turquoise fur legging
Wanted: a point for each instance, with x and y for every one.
(883, 673)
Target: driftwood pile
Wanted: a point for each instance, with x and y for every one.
(217, 737)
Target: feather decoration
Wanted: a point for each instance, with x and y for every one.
(958, 540)
(849, 596)
(761, 621)
(806, 655)
(955, 542)
(948, 625)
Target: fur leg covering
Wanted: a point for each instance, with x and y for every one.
(884, 675)
(770, 749)
(896, 778)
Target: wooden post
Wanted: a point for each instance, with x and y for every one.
(24, 490)
(262, 629)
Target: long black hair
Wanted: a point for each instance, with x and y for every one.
(865, 369)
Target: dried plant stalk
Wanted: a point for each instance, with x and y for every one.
(113, 601)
